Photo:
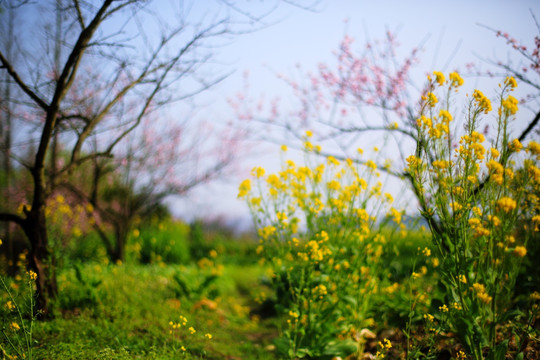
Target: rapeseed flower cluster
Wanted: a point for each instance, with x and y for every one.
(321, 243)
(478, 196)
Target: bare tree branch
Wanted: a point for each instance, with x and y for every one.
(24, 87)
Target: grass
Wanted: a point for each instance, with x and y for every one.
(109, 311)
(130, 318)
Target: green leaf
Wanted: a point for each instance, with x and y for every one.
(340, 348)
(499, 353)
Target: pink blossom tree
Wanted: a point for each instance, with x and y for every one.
(365, 97)
(361, 92)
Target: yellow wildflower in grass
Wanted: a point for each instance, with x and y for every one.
(32, 274)
(455, 206)
(429, 317)
(494, 220)
(10, 306)
(293, 314)
(481, 231)
(396, 215)
(462, 278)
(481, 293)
(320, 290)
(485, 298)
(208, 336)
(309, 133)
(192, 330)
(536, 221)
(455, 79)
(426, 252)
(443, 308)
(283, 148)
(520, 251)
(14, 326)
(506, 204)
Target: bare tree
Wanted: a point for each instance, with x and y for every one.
(120, 62)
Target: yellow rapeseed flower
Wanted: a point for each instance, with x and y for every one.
(456, 80)
(515, 145)
(484, 104)
(445, 116)
(506, 204)
(32, 274)
(520, 251)
(511, 82)
(534, 148)
(244, 188)
(439, 77)
(510, 105)
(257, 172)
(432, 99)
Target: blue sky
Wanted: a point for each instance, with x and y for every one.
(308, 38)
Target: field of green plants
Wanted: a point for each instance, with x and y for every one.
(334, 270)
(195, 297)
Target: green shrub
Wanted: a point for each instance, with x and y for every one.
(162, 242)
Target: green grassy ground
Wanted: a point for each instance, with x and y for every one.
(135, 310)
(128, 315)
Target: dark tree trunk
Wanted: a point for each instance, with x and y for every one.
(40, 260)
(119, 254)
